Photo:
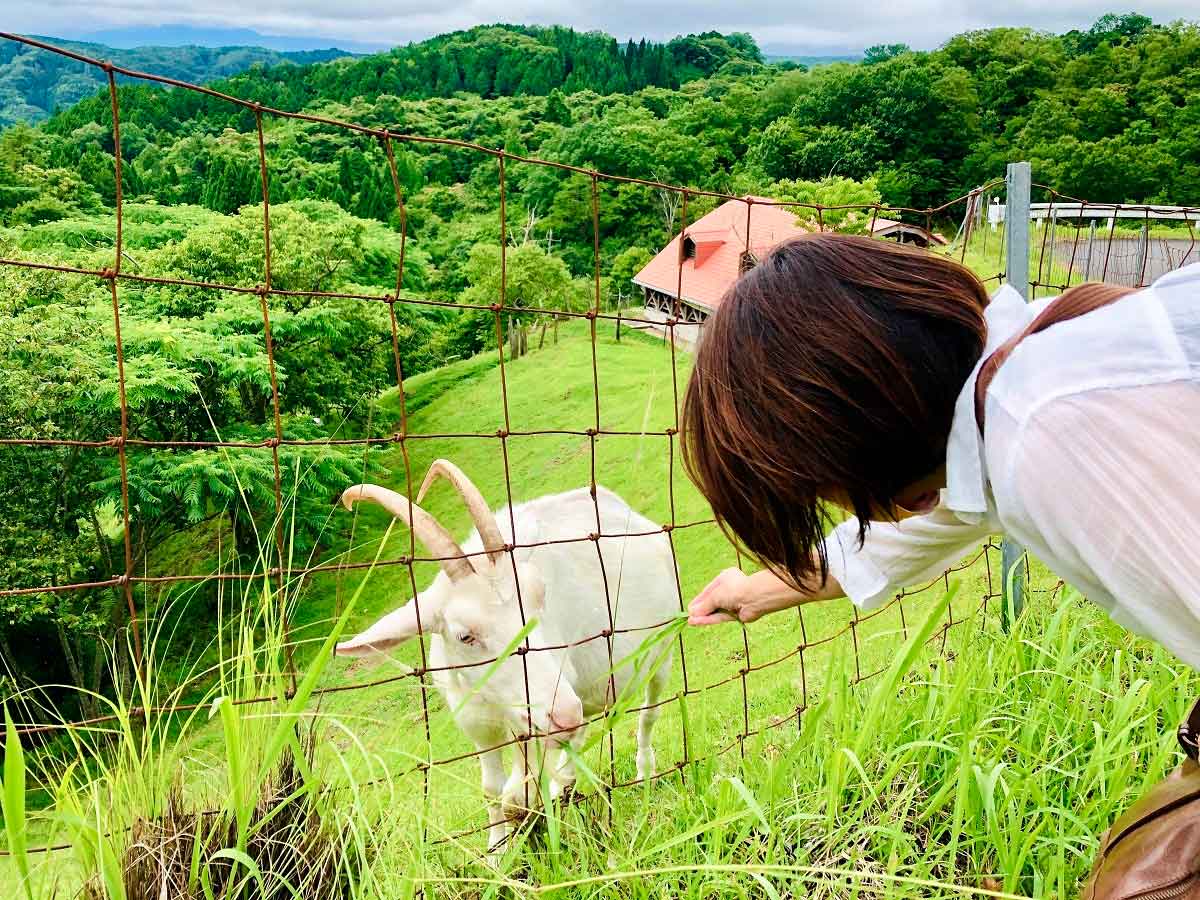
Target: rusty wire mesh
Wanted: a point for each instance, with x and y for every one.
(975, 239)
(1079, 240)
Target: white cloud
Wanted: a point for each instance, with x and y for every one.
(797, 24)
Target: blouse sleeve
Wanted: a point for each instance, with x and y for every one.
(897, 555)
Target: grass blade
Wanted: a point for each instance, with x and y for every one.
(885, 691)
(12, 791)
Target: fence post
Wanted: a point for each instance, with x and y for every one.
(1087, 275)
(1142, 252)
(1017, 183)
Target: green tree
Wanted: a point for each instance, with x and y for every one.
(825, 196)
(883, 52)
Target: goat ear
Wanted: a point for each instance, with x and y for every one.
(533, 588)
(392, 630)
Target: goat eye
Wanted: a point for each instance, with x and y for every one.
(466, 638)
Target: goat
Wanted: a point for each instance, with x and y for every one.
(471, 613)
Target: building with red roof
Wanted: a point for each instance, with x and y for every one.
(703, 262)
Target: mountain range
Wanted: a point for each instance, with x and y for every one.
(34, 82)
(132, 36)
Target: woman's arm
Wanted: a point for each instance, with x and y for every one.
(735, 596)
(894, 556)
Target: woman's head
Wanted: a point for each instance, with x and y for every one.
(829, 372)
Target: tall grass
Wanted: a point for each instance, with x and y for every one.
(145, 811)
(993, 771)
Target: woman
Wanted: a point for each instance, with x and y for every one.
(842, 370)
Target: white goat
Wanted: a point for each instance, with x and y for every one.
(470, 612)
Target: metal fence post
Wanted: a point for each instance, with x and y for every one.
(1017, 183)
(1087, 274)
(1143, 251)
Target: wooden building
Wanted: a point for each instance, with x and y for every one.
(703, 262)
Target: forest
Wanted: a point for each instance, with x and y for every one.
(35, 84)
(1109, 114)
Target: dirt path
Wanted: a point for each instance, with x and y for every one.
(653, 321)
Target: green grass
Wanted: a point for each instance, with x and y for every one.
(999, 767)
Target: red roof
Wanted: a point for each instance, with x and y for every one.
(720, 239)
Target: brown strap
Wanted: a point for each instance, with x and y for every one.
(1073, 302)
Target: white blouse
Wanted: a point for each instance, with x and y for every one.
(1091, 459)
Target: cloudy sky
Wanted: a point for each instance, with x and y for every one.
(807, 26)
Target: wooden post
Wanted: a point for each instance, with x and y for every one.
(618, 323)
(1018, 183)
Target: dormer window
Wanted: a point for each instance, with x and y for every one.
(689, 248)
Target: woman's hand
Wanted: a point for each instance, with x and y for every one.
(735, 597)
(724, 600)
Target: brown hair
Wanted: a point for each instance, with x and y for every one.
(832, 366)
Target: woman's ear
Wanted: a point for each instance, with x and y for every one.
(922, 496)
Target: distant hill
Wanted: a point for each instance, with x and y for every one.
(810, 61)
(34, 83)
(132, 36)
(488, 61)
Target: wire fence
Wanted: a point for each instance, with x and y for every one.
(1129, 244)
(1060, 261)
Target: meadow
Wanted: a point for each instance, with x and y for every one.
(897, 759)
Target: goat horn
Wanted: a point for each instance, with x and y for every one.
(428, 530)
(481, 513)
